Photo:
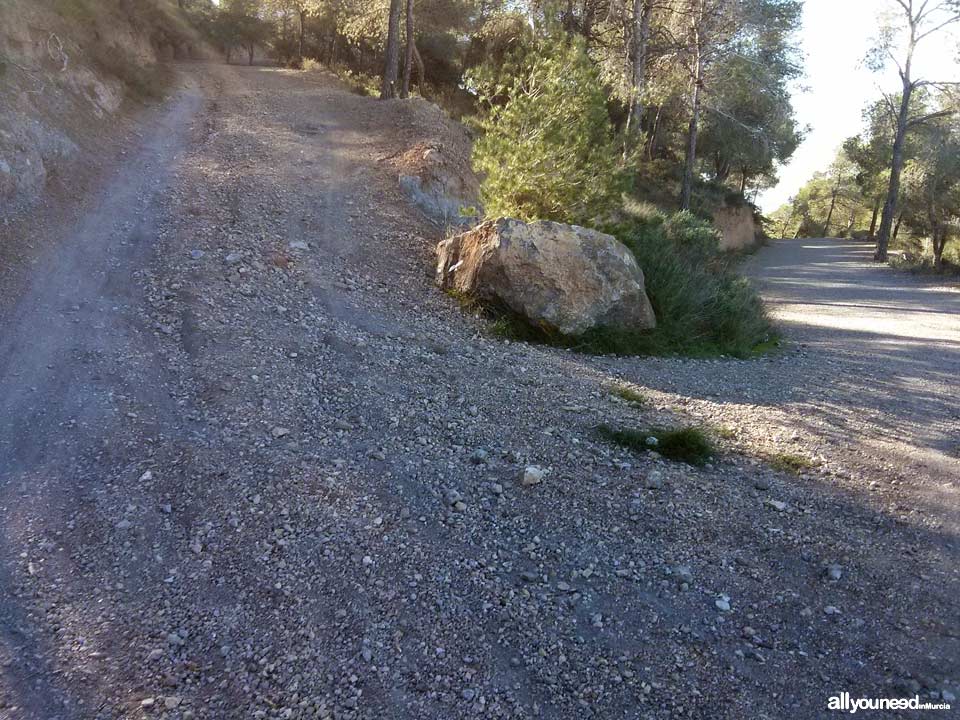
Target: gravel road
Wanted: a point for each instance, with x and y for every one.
(254, 465)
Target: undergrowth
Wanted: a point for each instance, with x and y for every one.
(689, 444)
(703, 307)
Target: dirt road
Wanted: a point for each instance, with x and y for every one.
(252, 464)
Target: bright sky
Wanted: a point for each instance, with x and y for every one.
(835, 37)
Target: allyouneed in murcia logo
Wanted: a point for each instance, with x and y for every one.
(844, 703)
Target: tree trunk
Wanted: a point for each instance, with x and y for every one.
(873, 219)
(939, 242)
(691, 158)
(642, 10)
(303, 18)
(421, 71)
(388, 88)
(896, 227)
(896, 165)
(833, 204)
(408, 59)
(250, 52)
(686, 189)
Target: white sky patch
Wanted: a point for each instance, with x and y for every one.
(835, 37)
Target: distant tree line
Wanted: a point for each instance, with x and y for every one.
(903, 170)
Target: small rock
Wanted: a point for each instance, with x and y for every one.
(684, 573)
(533, 475)
(279, 432)
(834, 572)
(233, 258)
(124, 525)
(299, 245)
(172, 702)
(496, 488)
(148, 703)
(831, 610)
(723, 603)
(761, 484)
(652, 441)
(777, 505)
(653, 480)
(155, 655)
(459, 506)
(479, 457)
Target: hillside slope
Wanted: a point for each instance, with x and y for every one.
(67, 67)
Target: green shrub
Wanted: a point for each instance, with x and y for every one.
(689, 444)
(703, 307)
(547, 148)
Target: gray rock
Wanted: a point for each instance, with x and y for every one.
(562, 276)
(532, 475)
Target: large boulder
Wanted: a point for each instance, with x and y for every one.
(562, 277)
(737, 226)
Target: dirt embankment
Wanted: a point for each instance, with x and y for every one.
(67, 69)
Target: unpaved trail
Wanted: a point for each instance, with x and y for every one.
(230, 488)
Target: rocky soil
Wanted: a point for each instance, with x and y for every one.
(254, 465)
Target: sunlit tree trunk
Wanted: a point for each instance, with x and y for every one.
(690, 162)
(388, 88)
(638, 64)
(873, 218)
(896, 166)
(691, 156)
(408, 59)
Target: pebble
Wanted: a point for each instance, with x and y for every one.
(723, 603)
(533, 475)
(653, 480)
(279, 432)
(834, 572)
(479, 457)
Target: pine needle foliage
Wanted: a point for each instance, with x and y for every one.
(547, 148)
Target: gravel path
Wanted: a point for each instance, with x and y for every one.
(266, 470)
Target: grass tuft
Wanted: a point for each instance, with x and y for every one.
(788, 462)
(632, 396)
(689, 444)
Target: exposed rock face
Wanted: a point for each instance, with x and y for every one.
(738, 229)
(441, 184)
(562, 277)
